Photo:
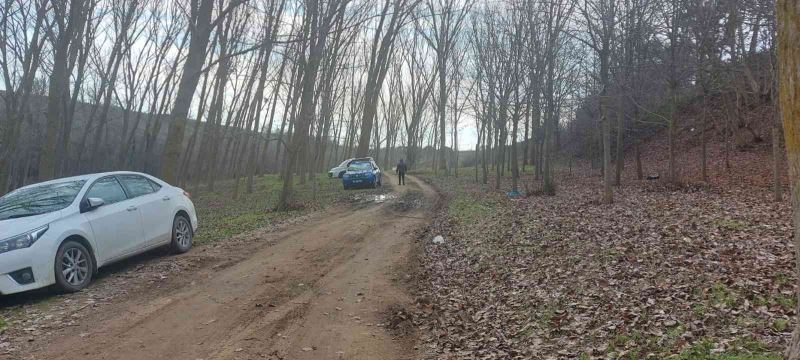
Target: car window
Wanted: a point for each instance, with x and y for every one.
(358, 166)
(108, 189)
(156, 186)
(40, 199)
(136, 185)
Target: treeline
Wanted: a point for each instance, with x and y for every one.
(199, 90)
(594, 78)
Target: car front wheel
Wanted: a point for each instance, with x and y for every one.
(182, 235)
(73, 267)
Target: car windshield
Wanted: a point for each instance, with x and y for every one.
(40, 199)
(359, 166)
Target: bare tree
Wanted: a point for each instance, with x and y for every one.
(19, 61)
(444, 22)
(319, 22)
(201, 24)
(395, 12)
(70, 21)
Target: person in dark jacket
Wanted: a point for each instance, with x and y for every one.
(401, 172)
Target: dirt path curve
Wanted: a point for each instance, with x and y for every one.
(322, 291)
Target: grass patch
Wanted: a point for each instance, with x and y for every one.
(466, 209)
(698, 309)
(783, 279)
(3, 323)
(788, 303)
(222, 216)
(729, 224)
(703, 350)
(780, 325)
(721, 295)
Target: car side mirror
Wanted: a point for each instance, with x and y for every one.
(91, 203)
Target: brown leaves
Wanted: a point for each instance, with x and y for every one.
(560, 277)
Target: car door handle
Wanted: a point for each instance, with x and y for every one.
(131, 208)
(165, 198)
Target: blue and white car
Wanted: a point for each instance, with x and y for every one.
(60, 232)
(362, 173)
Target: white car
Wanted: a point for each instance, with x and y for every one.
(339, 170)
(61, 231)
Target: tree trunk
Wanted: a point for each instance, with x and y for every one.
(306, 116)
(514, 163)
(638, 155)
(672, 171)
(58, 83)
(608, 192)
(788, 13)
(777, 187)
(620, 161)
(189, 79)
(442, 112)
(704, 156)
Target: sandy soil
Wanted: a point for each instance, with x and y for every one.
(324, 289)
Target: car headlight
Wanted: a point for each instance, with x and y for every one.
(22, 241)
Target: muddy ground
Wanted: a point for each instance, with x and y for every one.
(324, 286)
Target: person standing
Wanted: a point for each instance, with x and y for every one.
(401, 172)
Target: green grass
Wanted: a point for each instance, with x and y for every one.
(760, 301)
(466, 208)
(699, 309)
(722, 295)
(702, 350)
(787, 302)
(729, 224)
(783, 279)
(222, 216)
(2, 323)
(780, 325)
(635, 344)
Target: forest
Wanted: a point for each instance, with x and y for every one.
(195, 91)
(552, 108)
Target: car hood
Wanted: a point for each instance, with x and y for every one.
(351, 172)
(13, 227)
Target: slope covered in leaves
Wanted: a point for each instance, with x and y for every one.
(686, 273)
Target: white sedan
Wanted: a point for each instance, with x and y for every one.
(61, 231)
(339, 170)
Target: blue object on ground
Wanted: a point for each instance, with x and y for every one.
(513, 194)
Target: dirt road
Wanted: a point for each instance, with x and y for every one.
(320, 290)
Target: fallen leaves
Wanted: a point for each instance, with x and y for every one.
(659, 272)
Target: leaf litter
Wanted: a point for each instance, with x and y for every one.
(686, 272)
